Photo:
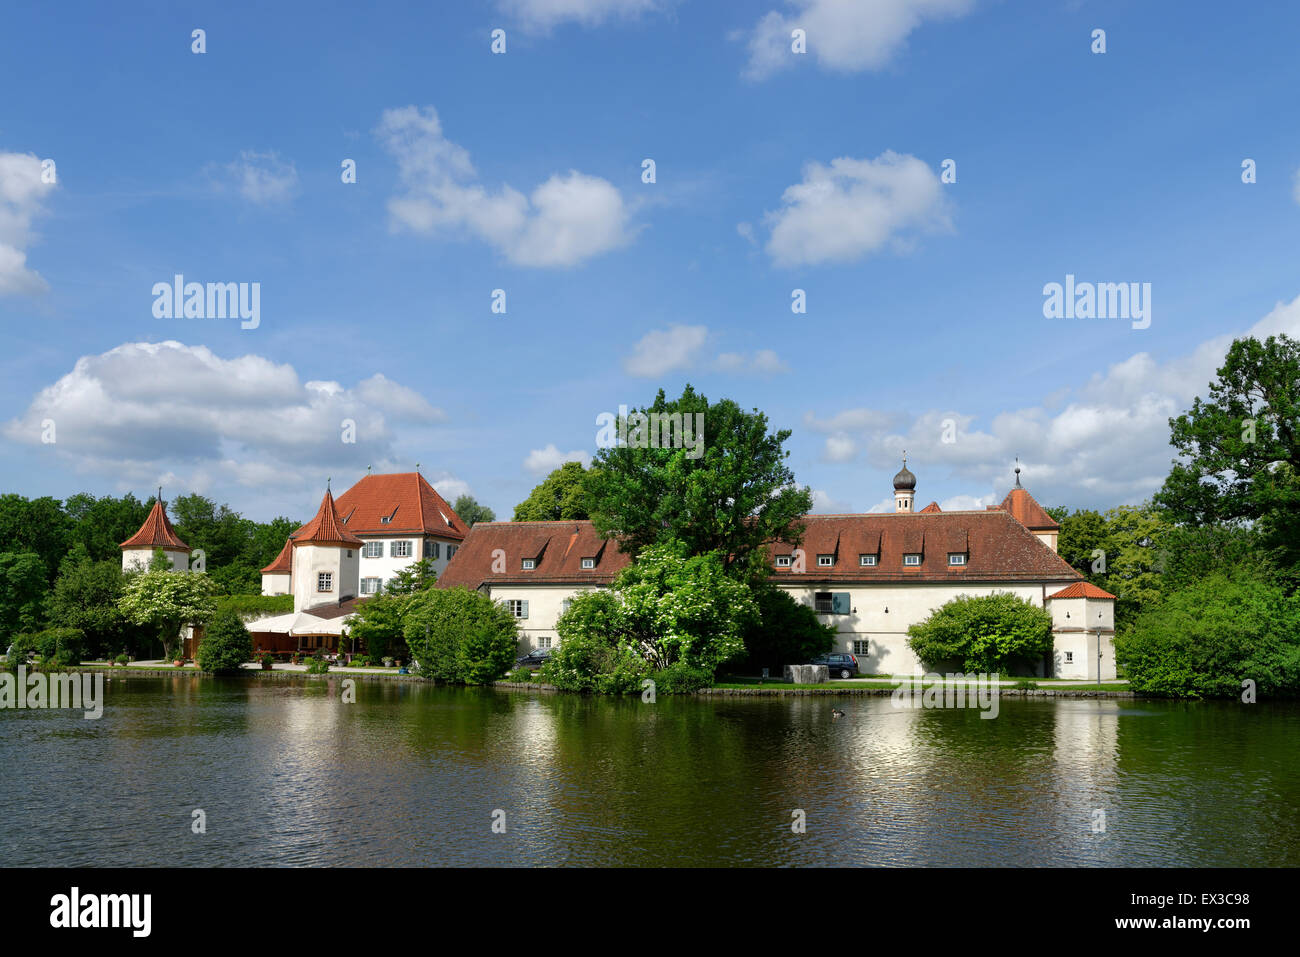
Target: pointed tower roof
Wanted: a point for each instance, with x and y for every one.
(157, 532)
(326, 528)
(1026, 511)
(283, 564)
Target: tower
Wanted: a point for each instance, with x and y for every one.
(904, 489)
(155, 533)
(326, 559)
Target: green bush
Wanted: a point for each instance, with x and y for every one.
(123, 659)
(226, 644)
(594, 653)
(317, 666)
(61, 646)
(250, 605)
(460, 636)
(1208, 637)
(983, 633)
(681, 678)
(521, 675)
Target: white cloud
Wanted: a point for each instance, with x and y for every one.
(566, 220)
(762, 362)
(854, 207)
(665, 350)
(547, 460)
(542, 15)
(840, 448)
(144, 410)
(844, 36)
(263, 178)
(21, 196)
(823, 504)
(746, 232)
(1107, 444)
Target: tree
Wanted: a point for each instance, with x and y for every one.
(984, 633)
(460, 636)
(102, 524)
(785, 632)
(85, 597)
(378, 627)
(226, 644)
(1213, 634)
(596, 652)
(1084, 541)
(728, 491)
(471, 512)
(417, 576)
(560, 496)
(167, 600)
(23, 588)
(1240, 447)
(38, 525)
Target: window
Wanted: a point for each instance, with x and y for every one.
(867, 561)
(825, 561)
(517, 608)
(1069, 657)
(530, 563)
(325, 581)
(451, 550)
(566, 605)
(400, 549)
(543, 644)
(385, 519)
(373, 550)
(782, 561)
(861, 647)
(589, 563)
(831, 603)
(956, 558)
(349, 553)
(370, 586)
(911, 559)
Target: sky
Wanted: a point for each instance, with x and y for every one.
(461, 257)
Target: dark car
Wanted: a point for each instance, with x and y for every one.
(843, 666)
(534, 659)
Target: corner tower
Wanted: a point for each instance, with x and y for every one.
(156, 533)
(326, 559)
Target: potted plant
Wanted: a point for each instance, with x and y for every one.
(179, 662)
(122, 659)
(267, 660)
(388, 662)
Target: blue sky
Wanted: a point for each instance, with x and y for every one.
(522, 171)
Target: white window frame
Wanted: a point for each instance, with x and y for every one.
(324, 581)
(517, 607)
(405, 546)
(529, 564)
(825, 561)
(435, 549)
(912, 560)
(373, 550)
(371, 585)
(589, 563)
(1069, 657)
(544, 643)
(956, 558)
(861, 646)
(782, 561)
(867, 561)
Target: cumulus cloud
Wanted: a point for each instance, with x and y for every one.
(823, 504)
(547, 460)
(844, 36)
(542, 15)
(665, 350)
(22, 195)
(567, 220)
(854, 207)
(262, 178)
(1106, 443)
(143, 411)
(762, 362)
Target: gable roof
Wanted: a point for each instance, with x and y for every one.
(1027, 511)
(413, 506)
(156, 532)
(326, 528)
(1082, 590)
(997, 547)
(931, 508)
(558, 547)
(283, 564)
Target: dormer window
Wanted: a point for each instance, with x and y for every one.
(913, 559)
(529, 564)
(589, 563)
(867, 561)
(957, 558)
(782, 561)
(825, 561)
(385, 519)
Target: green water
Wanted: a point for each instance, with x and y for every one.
(286, 773)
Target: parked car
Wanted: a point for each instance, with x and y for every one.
(534, 659)
(844, 666)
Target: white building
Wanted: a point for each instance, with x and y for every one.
(155, 534)
(870, 575)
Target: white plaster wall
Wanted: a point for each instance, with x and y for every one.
(276, 584)
(545, 605)
(387, 567)
(310, 560)
(138, 559)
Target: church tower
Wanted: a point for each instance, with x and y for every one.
(904, 489)
(155, 533)
(326, 560)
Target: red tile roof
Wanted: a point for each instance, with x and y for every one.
(326, 528)
(931, 508)
(1082, 590)
(558, 548)
(156, 532)
(1027, 511)
(410, 503)
(997, 549)
(283, 564)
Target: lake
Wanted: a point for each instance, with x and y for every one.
(286, 773)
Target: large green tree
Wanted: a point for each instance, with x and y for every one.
(471, 512)
(166, 601)
(983, 633)
(561, 496)
(1240, 446)
(36, 525)
(23, 588)
(102, 524)
(86, 597)
(729, 491)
